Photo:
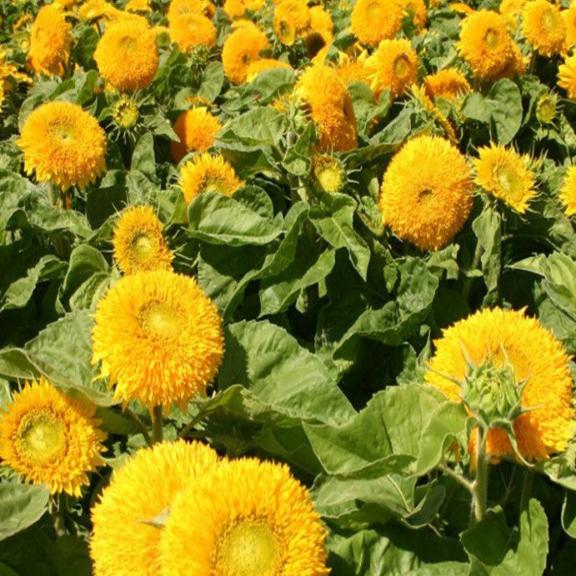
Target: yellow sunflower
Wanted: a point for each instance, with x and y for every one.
(544, 27)
(179, 8)
(197, 130)
(429, 205)
(234, 9)
(449, 84)
(353, 69)
(546, 108)
(376, 20)
(127, 55)
(125, 541)
(569, 16)
(138, 241)
(192, 30)
(50, 41)
(330, 106)
(50, 438)
(139, 6)
(568, 192)
(159, 338)
(503, 173)
(512, 8)
(208, 173)
(416, 11)
(485, 44)
(536, 357)
(257, 67)
(328, 173)
(291, 19)
(393, 66)
(320, 33)
(63, 144)
(244, 517)
(567, 76)
(241, 48)
(95, 9)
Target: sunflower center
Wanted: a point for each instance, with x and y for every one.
(42, 436)
(127, 42)
(62, 132)
(491, 38)
(251, 548)
(549, 21)
(509, 181)
(314, 43)
(215, 184)
(143, 247)
(401, 66)
(161, 320)
(424, 195)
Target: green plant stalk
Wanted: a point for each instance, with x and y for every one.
(480, 491)
(157, 424)
(466, 288)
(527, 485)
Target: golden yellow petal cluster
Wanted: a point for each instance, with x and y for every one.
(242, 518)
(95, 9)
(417, 11)
(428, 206)
(567, 76)
(504, 173)
(535, 356)
(50, 438)
(139, 6)
(192, 30)
(63, 144)
(138, 241)
(125, 541)
(127, 55)
(179, 8)
(330, 107)
(159, 338)
(197, 130)
(569, 16)
(258, 66)
(376, 20)
(241, 48)
(50, 42)
(568, 192)
(544, 27)
(512, 7)
(353, 69)
(449, 84)
(208, 173)
(291, 19)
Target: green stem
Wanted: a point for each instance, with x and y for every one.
(480, 499)
(58, 506)
(527, 485)
(475, 264)
(136, 419)
(157, 424)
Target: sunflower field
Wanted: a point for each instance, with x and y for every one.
(287, 288)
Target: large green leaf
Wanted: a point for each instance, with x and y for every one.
(21, 505)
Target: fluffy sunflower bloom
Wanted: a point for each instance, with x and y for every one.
(567, 76)
(257, 67)
(125, 541)
(568, 192)
(63, 144)
(536, 357)
(319, 35)
(159, 338)
(95, 9)
(291, 19)
(244, 517)
(546, 108)
(328, 173)
(127, 55)
(330, 107)
(192, 30)
(486, 45)
(50, 41)
(393, 66)
(449, 84)
(512, 7)
(353, 69)
(234, 9)
(138, 241)
(241, 48)
(416, 11)
(503, 173)
(427, 206)
(569, 16)
(544, 27)
(208, 173)
(376, 20)
(197, 130)
(179, 8)
(50, 438)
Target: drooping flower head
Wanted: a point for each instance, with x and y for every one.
(208, 173)
(568, 192)
(127, 55)
(244, 517)
(241, 48)
(427, 206)
(449, 84)
(376, 20)
(544, 27)
(138, 241)
(50, 41)
(158, 337)
(291, 19)
(125, 540)
(537, 360)
(63, 144)
(567, 76)
(192, 30)
(197, 130)
(503, 173)
(50, 438)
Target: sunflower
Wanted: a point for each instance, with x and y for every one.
(125, 112)
(197, 130)
(536, 357)
(138, 241)
(208, 173)
(244, 517)
(258, 66)
(544, 27)
(330, 107)
(512, 8)
(64, 144)
(159, 338)
(393, 66)
(241, 48)
(503, 173)
(192, 30)
(234, 9)
(320, 33)
(50, 41)
(569, 16)
(353, 69)
(291, 19)
(416, 11)
(485, 44)
(328, 173)
(127, 55)
(449, 84)
(546, 108)
(50, 438)
(376, 20)
(95, 9)
(427, 206)
(125, 541)
(179, 8)
(568, 192)
(567, 76)
(142, 6)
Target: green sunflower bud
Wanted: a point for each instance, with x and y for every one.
(328, 173)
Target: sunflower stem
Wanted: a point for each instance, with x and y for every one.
(138, 421)
(475, 264)
(527, 485)
(157, 424)
(58, 515)
(480, 498)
